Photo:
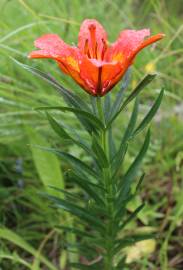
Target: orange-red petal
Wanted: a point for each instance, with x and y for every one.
(52, 46)
(127, 43)
(99, 76)
(89, 73)
(92, 38)
(148, 42)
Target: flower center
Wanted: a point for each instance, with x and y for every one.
(94, 48)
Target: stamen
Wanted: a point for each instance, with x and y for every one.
(86, 48)
(92, 29)
(103, 49)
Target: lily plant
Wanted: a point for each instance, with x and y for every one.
(100, 208)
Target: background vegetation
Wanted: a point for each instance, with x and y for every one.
(28, 238)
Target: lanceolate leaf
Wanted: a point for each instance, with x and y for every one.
(93, 120)
(132, 216)
(107, 106)
(121, 263)
(120, 94)
(99, 152)
(140, 182)
(69, 195)
(91, 191)
(132, 171)
(132, 123)
(59, 129)
(147, 119)
(72, 175)
(131, 240)
(93, 104)
(69, 97)
(80, 166)
(117, 161)
(112, 146)
(133, 95)
(77, 211)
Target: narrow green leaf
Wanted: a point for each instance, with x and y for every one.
(120, 94)
(118, 158)
(131, 240)
(132, 216)
(88, 188)
(58, 128)
(99, 152)
(121, 207)
(133, 95)
(139, 183)
(77, 211)
(131, 125)
(132, 171)
(69, 195)
(107, 106)
(112, 146)
(72, 175)
(121, 263)
(69, 97)
(147, 119)
(83, 114)
(80, 166)
(93, 104)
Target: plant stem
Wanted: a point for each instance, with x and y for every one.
(109, 196)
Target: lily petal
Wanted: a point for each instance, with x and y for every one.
(148, 42)
(52, 46)
(89, 73)
(100, 76)
(126, 44)
(92, 39)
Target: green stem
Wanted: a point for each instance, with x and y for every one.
(107, 180)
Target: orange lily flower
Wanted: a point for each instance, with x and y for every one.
(94, 64)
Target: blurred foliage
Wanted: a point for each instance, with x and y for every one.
(22, 210)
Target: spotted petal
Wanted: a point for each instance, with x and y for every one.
(92, 38)
(98, 75)
(52, 46)
(129, 43)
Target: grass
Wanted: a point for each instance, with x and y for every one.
(22, 210)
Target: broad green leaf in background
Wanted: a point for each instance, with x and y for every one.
(46, 163)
